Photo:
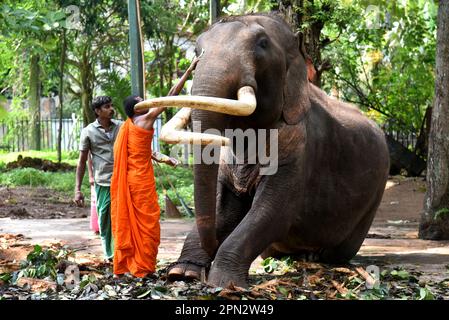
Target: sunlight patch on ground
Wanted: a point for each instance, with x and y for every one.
(391, 184)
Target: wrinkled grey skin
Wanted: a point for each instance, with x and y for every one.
(333, 161)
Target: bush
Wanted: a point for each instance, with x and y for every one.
(181, 178)
(24, 177)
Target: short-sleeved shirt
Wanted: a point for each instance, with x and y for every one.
(101, 145)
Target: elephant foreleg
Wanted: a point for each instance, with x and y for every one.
(268, 220)
(193, 258)
(231, 209)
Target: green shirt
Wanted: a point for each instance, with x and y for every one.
(101, 146)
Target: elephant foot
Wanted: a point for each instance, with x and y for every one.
(192, 261)
(225, 279)
(186, 271)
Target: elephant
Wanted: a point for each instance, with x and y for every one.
(332, 161)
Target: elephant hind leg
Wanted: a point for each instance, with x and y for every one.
(349, 247)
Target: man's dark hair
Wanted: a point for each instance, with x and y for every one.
(100, 101)
(129, 104)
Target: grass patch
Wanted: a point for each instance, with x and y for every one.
(59, 181)
(70, 157)
(181, 178)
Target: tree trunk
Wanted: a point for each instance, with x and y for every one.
(61, 92)
(435, 218)
(86, 91)
(34, 103)
(296, 13)
(421, 148)
(136, 49)
(214, 11)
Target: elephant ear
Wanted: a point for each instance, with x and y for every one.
(296, 91)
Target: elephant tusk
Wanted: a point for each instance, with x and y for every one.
(244, 106)
(171, 132)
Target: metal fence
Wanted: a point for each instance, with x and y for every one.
(16, 135)
(407, 139)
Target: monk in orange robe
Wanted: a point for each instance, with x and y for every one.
(134, 205)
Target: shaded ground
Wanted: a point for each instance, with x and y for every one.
(410, 268)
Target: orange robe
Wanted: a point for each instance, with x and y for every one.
(134, 207)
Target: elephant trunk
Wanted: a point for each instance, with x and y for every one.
(205, 193)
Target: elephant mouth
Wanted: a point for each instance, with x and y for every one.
(172, 132)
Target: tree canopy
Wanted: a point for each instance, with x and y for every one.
(379, 55)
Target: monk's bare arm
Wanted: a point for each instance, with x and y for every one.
(176, 89)
(146, 121)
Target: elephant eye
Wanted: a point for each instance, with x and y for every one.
(262, 43)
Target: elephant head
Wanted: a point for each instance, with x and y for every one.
(251, 75)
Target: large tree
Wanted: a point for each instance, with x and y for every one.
(30, 28)
(435, 218)
(101, 36)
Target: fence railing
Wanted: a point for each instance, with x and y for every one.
(16, 135)
(407, 139)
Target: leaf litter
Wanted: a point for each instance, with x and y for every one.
(283, 279)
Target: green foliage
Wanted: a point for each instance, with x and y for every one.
(181, 178)
(248, 6)
(441, 213)
(388, 67)
(400, 274)
(10, 121)
(42, 263)
(425, 294)
(118, 88)
(24, 177)
(64, 182)
(70, 157)
(87, 279)
(381, 292)
(171, 27)
(28, 28)
(271, 265)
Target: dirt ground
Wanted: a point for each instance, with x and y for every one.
(52, 220)
(45, 216)
(37, 203)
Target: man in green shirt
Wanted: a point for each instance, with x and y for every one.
(98, 138)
